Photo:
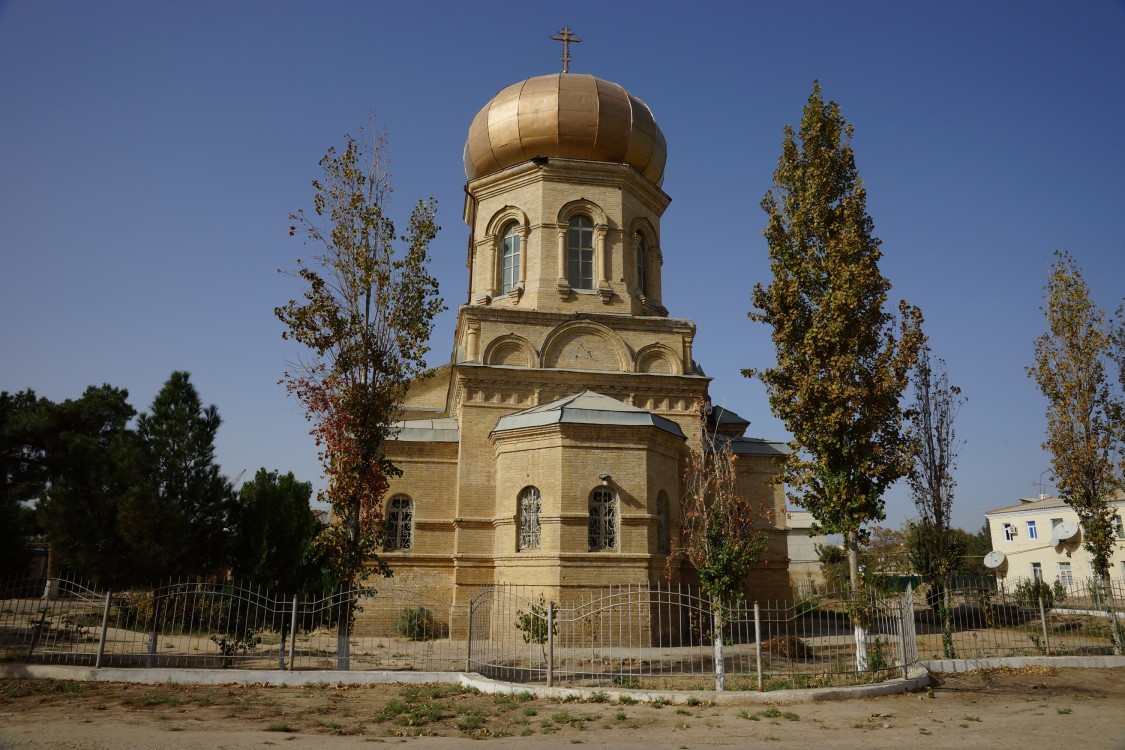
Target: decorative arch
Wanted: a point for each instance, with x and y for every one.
(510, 350)
(585, 345)
(660, 359)
(503, 217)
(582, 206)
(642, 225)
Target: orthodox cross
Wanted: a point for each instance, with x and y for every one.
(566, 36)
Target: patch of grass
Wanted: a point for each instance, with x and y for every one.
(1064, 711)
(627, 700)
(472, 720)
(790, 716)
(279, 726)
(693, 701)
(158, 700)
(620, 716)
(626, 681)
(683, 712)
(744, 714)
(658, 702)
(971, 718)
(530, 711)
(70, 687)
(771, 713)
(599, 697)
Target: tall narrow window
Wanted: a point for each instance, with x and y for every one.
(662, 518)
(1066, 577)
(510, 258)
(1118, 527)
(1032, 532)
(1037, 571)
(1009, 532)
(529, 519)
(580, 253)
(642, 259)
(399, 523)
(603, 520)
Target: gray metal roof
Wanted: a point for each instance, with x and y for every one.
(587, 407)
(748, 446)
(444, 430)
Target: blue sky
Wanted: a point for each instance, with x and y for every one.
(151, 151)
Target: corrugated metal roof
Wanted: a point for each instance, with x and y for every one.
(1037, 504)
(587, 407)
(443, 430)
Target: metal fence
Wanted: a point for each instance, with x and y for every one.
(658, 636)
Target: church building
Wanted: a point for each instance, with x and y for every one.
(550, 451)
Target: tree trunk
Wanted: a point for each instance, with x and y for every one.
(343, 628)
(718, 622)
(859, 619)
(1110, 606)
(946, 613)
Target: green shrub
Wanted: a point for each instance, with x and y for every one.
(416, 624)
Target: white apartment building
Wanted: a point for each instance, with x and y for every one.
(1026, 533)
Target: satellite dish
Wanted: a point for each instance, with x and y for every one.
(1064, 531)
(994, 559)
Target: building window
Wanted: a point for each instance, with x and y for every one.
(530, 527)
(1036, 572)
(603, 520)
(399, 524)
(580, 253)
(1009, 532)
(1066, 578)
(1055, 523)
(1032, 532)
(1118, 527)
(1123, 568)
(662, 518)
(510, 258)
(642, 259)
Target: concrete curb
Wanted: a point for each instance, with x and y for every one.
(917, 680)
(1018, 662)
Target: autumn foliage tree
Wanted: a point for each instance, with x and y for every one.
(1084, 410)
(843, 360)
(723, 532)
(365, 318)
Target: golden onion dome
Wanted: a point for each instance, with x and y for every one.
(566, 115)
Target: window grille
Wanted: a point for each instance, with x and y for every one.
(530, 528)
(400, 523)
(603, 520)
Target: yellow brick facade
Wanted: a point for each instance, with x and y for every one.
(543, 340)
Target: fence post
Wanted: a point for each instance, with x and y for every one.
(902, 607)
(293, 634)
(1043, 621)
(105, 629)
(469, 640)
(150, 662)
(550, 644)
(758, 642)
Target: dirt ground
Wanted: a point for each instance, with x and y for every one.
(1038, 707)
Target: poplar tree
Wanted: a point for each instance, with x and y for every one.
(1084, 410)
(365, 318)
(935, 547)
(843, 360)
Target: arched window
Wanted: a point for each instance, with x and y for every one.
(399, 523)
(510, 258)
(580, 253)
(662, 521)
(642, 259)
(603, 520)
(529, 519)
